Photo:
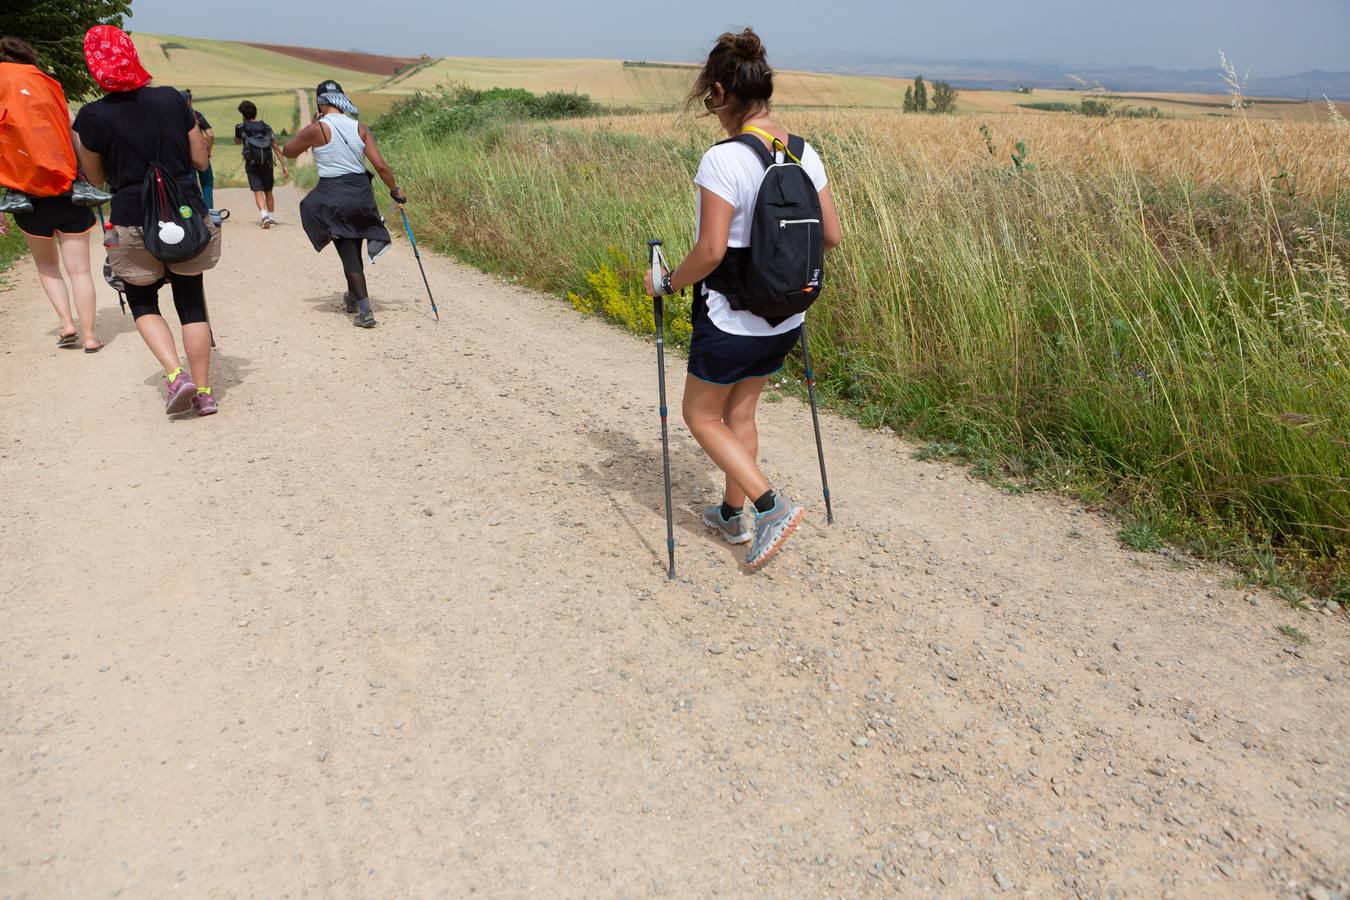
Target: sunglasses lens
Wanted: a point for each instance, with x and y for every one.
(709, 103)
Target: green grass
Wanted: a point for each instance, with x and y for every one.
(1130, 335)
(1293, 634)
(12, 247)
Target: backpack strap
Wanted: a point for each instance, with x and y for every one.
(754, 144)
(796, 148)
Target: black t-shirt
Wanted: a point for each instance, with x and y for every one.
(256, 128)
(130, 130)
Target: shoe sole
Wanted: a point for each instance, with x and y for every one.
(182, 401)
(210, 412)
(782, 539)
(743, 538)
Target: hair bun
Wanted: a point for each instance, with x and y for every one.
(747, 45)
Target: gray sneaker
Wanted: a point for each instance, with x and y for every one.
(772, 530)
(365, 320)
(732, 530)
(349, 303)
(15, 202)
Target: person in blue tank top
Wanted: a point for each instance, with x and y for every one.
(341, 209)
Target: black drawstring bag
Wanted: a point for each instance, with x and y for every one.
(172, 231)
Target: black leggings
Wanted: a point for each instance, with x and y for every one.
(189, 298)
(349, 251)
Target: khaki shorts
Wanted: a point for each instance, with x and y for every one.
(133, 263)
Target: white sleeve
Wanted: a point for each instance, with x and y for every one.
(715, 175)
(814, 168)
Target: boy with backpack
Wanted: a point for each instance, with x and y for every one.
(260, 154)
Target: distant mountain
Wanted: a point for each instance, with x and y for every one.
(1001, 74)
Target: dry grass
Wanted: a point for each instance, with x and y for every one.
(1153, 314)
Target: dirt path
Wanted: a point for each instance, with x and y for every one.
(395, 623)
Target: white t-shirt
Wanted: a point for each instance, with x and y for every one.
(734, 172)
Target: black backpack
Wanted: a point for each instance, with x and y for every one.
(781, 273)
(258, 147)
(172, 230)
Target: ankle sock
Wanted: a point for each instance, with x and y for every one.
(203, 390)
(363, 305)
(729, 512)
(174, 374)
(765, 503)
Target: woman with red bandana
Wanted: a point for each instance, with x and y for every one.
(120, 134)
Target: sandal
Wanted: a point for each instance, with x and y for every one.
(68, 340)
(94, 349)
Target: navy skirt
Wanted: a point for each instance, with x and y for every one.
(344, 207)
(718, 357)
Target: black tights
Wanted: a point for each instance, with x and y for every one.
(349, 251)
(189, 298)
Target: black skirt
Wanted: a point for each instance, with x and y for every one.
(344, 207)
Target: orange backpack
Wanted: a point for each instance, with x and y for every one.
(36, 155)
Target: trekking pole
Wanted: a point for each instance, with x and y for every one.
(815, 423)
(412, 240)
(107, 263)
(658, 263)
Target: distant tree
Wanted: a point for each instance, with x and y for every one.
(920, 94)
(909, 99)
(57, 30)
(944, 97)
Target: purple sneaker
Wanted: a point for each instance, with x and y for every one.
(205, 403)
(179, 390)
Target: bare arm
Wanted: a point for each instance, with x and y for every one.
(197, 150)
(310, 136)
(91, 163)
(276, 149)
(210, 139)
(377, 160)
(714, 226)
(829, 215)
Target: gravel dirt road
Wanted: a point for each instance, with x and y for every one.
(396, 623)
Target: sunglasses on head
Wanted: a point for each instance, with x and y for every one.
(710, 103)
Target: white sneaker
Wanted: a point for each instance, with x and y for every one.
(267, 220)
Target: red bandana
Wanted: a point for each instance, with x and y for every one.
(112, 59)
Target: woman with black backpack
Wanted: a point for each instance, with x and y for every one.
(144, 142)
(734, 350)
(341, 209)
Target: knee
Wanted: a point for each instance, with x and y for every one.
(49, 268)
(739, 421)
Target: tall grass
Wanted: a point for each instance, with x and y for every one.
(1150, 313)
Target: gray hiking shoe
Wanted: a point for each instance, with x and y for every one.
(365, 320)
(732, 530)
(15, 202)
(349, 303)
(772, 530)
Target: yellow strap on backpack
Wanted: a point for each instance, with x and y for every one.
(773, 141)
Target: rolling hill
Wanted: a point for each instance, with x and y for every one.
(221, 73)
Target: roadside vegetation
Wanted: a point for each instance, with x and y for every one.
(1150, 315)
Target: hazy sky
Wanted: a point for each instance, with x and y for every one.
(1268, 38)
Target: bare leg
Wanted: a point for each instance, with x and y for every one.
(48, 260)
(197, 343)
(260, 198)
(157, 336)
(75, 257)
(271, 202)
(705, 406)
(739, 415)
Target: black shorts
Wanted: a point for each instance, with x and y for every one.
(259, 178)
(54, 214)
(718, 357)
